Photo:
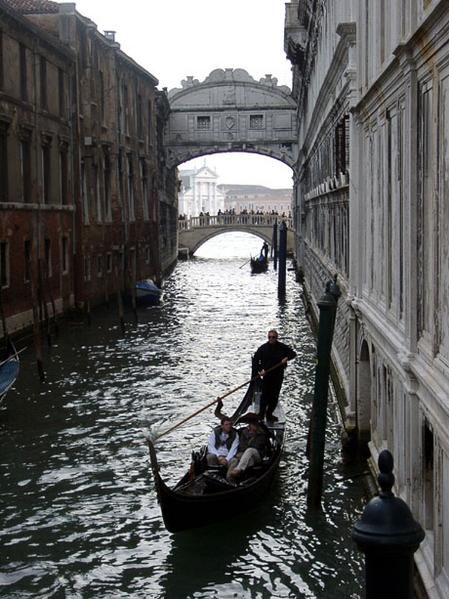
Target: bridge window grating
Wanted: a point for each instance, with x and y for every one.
(203, 122)
(256, 121)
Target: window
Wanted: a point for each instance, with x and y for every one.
(1, 61)
(256, 121)
(126, 108)
(46, 173)
(27, 260)
(96, 187)
(144, 181)
(342, 145)
(43, 83)
(3, 162)
(121, 182)
(25, 168)
(131, 213)
(203, 122)
(63, 174)
(48, 270)
(61, 93)
(4, 264)
(139, 116)
(109, 262)
(99, 266)
(65, 255)
(147, 254)
(87, 273)
(101, 98)
(23, 73)
(107, 185)
(428, 475)
(150, 120)
(84, 202)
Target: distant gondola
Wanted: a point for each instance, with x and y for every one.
(259, 265)
(203, 494)
(9, 370)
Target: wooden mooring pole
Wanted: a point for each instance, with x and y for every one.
(282, 257)
(274, 245)
(328, 307)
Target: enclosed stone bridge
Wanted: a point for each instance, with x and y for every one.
(195, 231)
(231, 112)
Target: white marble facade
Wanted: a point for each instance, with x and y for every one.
(199, 192)
(371, 80)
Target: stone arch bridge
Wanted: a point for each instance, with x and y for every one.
(195, 231)
(231, 112)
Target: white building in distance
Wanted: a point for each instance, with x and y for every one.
(199, 192)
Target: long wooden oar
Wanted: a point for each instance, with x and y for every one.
(13, 356)
(213, 402)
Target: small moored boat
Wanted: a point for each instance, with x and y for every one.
(9, 370)
(147, 293)
(204, 494)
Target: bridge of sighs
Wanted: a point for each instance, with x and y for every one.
(231, 112)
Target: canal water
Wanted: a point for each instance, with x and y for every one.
(78, 510)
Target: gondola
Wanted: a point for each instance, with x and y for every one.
(9, 370)
(258, 265)
(203, 494)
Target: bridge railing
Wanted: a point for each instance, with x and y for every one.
(253, 220)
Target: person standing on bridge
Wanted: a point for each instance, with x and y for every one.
(270, 354)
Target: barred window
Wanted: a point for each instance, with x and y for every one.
(27, 260)
(203, 122)
(48, 261)
(87, 271)
(256, 121)
(65, 254)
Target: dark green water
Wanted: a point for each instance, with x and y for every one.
(78, 510)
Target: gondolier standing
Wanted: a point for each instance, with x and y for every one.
(268, 355)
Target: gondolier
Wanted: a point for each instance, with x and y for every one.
(268, 355)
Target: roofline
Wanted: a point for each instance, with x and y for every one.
(41, 34)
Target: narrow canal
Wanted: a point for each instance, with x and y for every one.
(78, 510)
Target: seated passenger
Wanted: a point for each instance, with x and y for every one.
(252, 448)
(222, 443)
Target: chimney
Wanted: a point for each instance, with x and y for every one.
(110, 35)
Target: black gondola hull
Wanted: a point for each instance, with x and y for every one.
(184, 508)
(182, 512)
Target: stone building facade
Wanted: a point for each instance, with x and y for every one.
(371, 197)
(256, 198)
(100, 127)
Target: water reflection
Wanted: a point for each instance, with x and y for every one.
(77, 503)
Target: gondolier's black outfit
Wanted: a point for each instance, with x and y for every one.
(268, 355)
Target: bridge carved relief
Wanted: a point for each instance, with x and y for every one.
(231, 112)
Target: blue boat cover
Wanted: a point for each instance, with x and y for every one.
(8, 374)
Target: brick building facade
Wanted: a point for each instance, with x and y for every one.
(82, 165)
(36, 174)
